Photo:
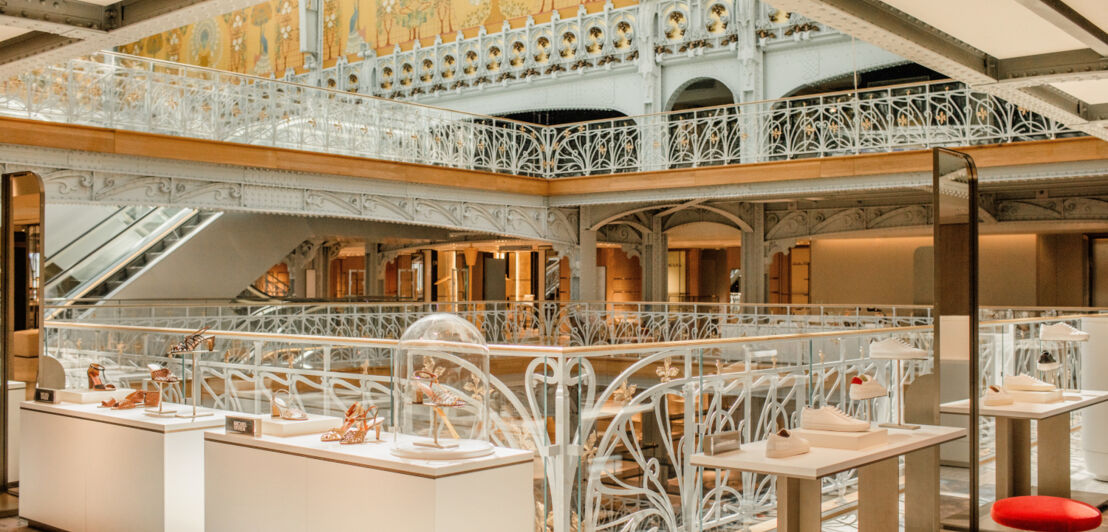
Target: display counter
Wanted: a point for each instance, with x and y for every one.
(299, 483)
(799, 498)
(89, 468)
(1013, 441)
(17, 393)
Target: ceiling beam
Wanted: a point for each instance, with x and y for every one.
(1070, 21)
(899, 33)
(1043, 69)
(63, 17)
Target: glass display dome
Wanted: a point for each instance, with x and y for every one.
(441, 386)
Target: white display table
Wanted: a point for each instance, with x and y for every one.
(88, 468)
(17, 393)
(798, 485)
(301, 484)
(1013, 441)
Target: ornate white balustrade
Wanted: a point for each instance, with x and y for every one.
(613, 423)
(131, 93)
(536, 323)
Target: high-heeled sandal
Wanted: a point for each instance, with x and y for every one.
(430, 392)
(281, 406)
(336, 434)
(132, 400)
(160, 374)
(192, 341)
(95, 382)
(357, 434)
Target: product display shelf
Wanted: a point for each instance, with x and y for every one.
(89, 468)
(1013, 441)
(798, 485)
(300, 483)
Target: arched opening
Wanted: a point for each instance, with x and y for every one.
(703, 262)
(701, 92)
(554, 117)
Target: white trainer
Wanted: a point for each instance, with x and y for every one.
(830, 418)
(866, 387)
(994, 396)
(783, 444)
(1062, 331)
(895, 348)
(1026, 383)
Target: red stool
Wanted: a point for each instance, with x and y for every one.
(1045, 514)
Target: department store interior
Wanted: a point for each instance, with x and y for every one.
(572, 265)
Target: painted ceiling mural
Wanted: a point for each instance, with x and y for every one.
(264, 40)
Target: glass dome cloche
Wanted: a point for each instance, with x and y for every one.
(441, 385)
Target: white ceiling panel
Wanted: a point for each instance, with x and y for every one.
(1091, 92)
(1000, 28)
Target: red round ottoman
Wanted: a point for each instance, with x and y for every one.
(1045, 514)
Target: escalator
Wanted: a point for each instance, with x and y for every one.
(119, 248)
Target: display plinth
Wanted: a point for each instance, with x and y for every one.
(424, 449)
(300, 483)
(84, 396)
(1023, 396)
(17, 393)
(89, 468)
(315, 424)
(851, 441)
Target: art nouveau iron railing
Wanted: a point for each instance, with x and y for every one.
(126, 92)
(612, 425)
(534, 323)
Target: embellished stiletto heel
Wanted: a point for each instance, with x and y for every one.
(281, 407)
(336, 434)
(357, 434)
(192, 341)
(161, 374)
(95, 381)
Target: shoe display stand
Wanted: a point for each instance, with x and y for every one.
(84, 396)
(799, 498)
(315, 424)
(1013, 442)
(844, 440)
(89, 468)
(300, 483)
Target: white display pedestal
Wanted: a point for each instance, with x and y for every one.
(17, 393)
(1094, 421)
(302, 484)
(89, 468)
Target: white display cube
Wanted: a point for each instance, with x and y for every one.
(302, 484)
(89, 468)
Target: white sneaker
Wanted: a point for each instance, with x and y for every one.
(895, 348)
(994, 396)
(782, 445)
(830, 418)
(1062, 331)
(866, 387)
(1026, 383)
(1047, 362)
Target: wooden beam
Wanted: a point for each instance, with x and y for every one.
(114, 141)
(1016, 153)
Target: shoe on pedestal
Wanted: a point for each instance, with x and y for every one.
(830, 418)
(896, 349)
(1047, 362)
(866, 387)
(1063, 332)
(1026, 383)
(783, 444)
(994, 396)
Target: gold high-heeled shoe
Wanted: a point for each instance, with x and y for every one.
(161, 374)
(430, 392)
(357, 435)
(95, 381)
(336, 434)
(281, 406)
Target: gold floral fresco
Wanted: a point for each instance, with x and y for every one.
(264, 40)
